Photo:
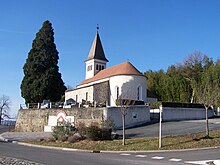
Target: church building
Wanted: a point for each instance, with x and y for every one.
(103, 86)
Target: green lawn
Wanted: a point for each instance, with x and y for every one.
(139, 144)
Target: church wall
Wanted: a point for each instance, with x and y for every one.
(101, 92)
(90, 69)
(128, 85)
(81, 94)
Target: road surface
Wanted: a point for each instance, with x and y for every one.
(57, 157)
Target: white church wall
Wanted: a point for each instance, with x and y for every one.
(79, 94)
(136, 115)
(128, 87)
(89, 69)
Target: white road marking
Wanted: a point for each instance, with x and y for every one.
(175, 160)
(157, 157)
(216, 162)
(141, 156)
(125, 154)
(203, 162)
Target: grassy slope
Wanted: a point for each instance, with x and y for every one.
(139, 144)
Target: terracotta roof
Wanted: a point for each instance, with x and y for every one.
(96, 51)
(125, 68)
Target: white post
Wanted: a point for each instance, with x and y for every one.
(160, 128)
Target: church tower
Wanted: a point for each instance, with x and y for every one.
(96, 60)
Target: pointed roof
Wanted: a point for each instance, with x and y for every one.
(125, 68)
(96, 51)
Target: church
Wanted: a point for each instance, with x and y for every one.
(104, 86)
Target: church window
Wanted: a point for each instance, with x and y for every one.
(89, 68)
(76, 98)
(139, 93)
(103, 67)
(117, 92)
(86, 96)
(97, 67)
(100, 67)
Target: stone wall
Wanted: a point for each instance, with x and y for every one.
(101, 92)
(34, 120)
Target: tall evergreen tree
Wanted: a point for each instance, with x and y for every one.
(42, 79)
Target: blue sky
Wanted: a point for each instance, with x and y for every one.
(151, 34)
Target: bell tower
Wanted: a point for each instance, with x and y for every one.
(96, 60)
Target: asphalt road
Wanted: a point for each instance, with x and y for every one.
(3, 128)
(171, 128)
(57, 157)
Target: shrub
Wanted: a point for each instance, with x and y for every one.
(106, 134)
(94, 133)
(81, 128)
(71, 139)
(63, 138)
(62, 132)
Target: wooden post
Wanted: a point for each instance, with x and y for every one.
(160, 128)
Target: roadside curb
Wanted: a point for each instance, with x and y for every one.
(2, 139)
(101, 151)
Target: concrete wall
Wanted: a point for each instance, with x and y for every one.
(134, 115)
(171, 113)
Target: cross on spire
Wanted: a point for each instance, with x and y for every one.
(97, 27)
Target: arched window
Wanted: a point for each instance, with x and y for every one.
(86, 96)
(117, 92)
(97, 67)
(139, 93)
(76, 98)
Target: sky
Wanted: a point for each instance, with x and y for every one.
(151, 34)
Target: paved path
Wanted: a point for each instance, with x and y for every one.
(171, 128)
(21, 136)
(4, 129)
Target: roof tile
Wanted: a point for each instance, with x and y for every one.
(125, 68)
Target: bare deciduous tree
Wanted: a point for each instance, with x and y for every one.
(4, 107)
(206, 95)
(124, 105)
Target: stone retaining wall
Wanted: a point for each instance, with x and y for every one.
(34, 120)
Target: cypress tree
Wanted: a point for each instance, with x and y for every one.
(42, 79)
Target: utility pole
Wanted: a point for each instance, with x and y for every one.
(160, 128)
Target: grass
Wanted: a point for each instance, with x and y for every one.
(197, 140)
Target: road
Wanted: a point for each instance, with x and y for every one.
(3, 128)
(171, 128)
(57, 157)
